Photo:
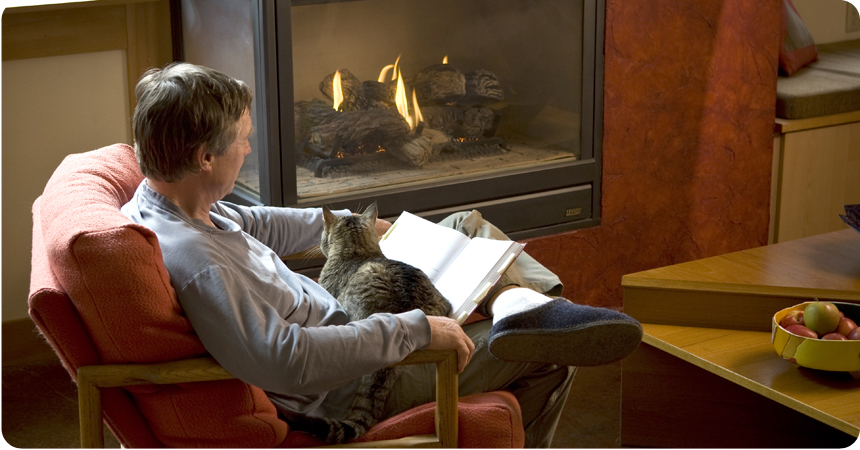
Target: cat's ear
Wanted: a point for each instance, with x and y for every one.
(328, 216)
(370, 214)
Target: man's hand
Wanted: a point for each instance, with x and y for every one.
(446, 334)
(382, 226)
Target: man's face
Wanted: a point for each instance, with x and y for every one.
(227, 166)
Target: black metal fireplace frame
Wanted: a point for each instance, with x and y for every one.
(526, 202)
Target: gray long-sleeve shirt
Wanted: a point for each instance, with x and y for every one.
(267, 325)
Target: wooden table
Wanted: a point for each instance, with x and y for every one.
(707, 375)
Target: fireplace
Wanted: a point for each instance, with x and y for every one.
(430, 106)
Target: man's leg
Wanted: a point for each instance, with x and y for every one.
(540, 389)
(525, 271)
(530, 325)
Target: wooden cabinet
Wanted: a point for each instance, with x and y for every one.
(816, 173)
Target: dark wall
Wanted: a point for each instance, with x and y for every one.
(689, 95)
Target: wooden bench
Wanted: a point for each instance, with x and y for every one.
(817, 144)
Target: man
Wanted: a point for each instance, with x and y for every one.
(281, 331)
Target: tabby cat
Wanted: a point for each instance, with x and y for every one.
(366, 282)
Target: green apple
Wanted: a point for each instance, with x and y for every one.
(821, 317)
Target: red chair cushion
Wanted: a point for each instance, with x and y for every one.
(496, 414)
(58, 321)
(489, 420)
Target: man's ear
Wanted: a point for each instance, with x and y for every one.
(204, 158)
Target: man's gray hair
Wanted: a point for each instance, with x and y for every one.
(179, 108)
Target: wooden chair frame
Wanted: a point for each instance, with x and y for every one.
(92, 378)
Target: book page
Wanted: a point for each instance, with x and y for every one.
(423, 244)
(470, 269)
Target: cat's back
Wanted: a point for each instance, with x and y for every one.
(386, 285)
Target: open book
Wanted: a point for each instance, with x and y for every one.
(462, 269)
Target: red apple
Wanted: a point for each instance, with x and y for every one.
(801, 330)
(821, 317)
(792, 318)
(845, 326)
(833, 337)
(854, 335)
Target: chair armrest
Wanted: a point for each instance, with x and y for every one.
(447, 388)
(181, 371)
(92, 378)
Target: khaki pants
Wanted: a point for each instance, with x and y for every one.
(525, 271)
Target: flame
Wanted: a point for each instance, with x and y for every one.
(418, 117)
(337, 90)
(445, 60)
(384, 72)
(395, 74)
(402, 102)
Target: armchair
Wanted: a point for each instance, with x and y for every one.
(101, 297)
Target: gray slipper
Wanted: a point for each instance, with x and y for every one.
(564, 333)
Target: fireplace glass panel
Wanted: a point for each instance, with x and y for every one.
(508, 91)
(498, 83)
(206, 42)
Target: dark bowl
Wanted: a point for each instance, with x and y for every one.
(852, 216)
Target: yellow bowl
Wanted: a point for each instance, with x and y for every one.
(839, 356)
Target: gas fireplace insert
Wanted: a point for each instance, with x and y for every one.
(430, 106)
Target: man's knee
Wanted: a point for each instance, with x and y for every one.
(457, 219)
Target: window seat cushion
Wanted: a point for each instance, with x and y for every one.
(829, 86)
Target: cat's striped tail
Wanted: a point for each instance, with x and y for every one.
(365, 411)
